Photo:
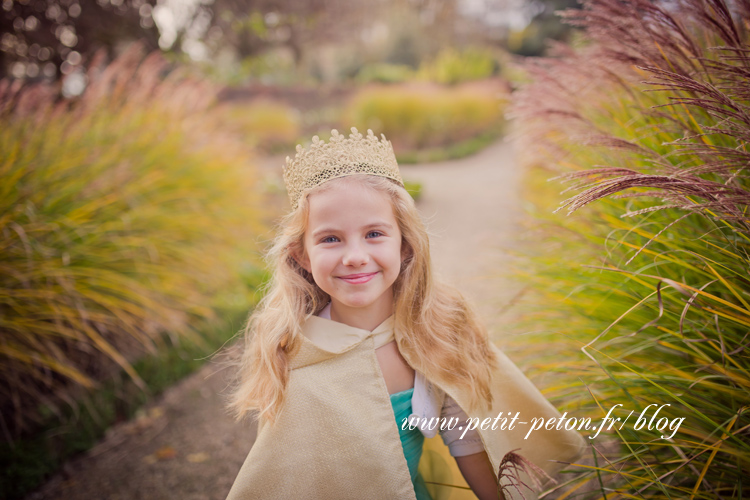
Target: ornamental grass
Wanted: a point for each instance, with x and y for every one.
(128, 221)
(422, 115)
(270, 126)
(645, 284)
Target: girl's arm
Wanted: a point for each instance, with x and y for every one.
(477, 470)
(468, 450)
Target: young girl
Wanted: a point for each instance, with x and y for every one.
(356, 352)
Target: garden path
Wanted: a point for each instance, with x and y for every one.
(184, 446)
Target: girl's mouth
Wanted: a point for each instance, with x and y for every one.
(358, 278)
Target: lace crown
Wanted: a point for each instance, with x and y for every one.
(339, 157)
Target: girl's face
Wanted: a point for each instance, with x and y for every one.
(352, 247)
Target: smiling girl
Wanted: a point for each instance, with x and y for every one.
(355, 337)
(352, 248)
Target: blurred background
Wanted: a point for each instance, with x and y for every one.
(141, 145)
(291, 69)
(275, 42)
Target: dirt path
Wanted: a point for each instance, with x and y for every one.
(472, 209)
(184, 446)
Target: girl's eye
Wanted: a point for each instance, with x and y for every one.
(329, 239)
(374, 234)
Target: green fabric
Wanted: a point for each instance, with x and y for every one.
(411, 441)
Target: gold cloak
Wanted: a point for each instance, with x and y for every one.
(336, 436)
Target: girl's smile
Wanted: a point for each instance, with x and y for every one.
(352, 248)
(358, 278)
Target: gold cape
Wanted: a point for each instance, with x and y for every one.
(337, 438)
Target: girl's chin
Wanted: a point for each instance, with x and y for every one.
(354, 305)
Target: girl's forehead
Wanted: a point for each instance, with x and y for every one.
(349, 187)
(349, 203)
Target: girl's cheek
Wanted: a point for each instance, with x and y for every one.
(327, 258)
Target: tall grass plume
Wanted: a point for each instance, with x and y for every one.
(127, 216)
(649, 121)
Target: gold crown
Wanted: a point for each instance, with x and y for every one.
(341, 156)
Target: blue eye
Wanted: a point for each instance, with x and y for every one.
(329, 239)
(374, 234)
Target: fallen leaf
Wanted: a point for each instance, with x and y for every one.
(197, 458)
(166, 453)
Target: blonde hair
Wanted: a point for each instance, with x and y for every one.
(440, 331)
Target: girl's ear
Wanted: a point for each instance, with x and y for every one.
(302, 260)
(406, 251)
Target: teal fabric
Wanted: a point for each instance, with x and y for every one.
(411, 441)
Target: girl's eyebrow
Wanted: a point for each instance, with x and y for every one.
(327, 229)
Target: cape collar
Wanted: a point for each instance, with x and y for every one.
(324, 338)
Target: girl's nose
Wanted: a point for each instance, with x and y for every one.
(355, 256)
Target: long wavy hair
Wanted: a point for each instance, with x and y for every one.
(439, 330)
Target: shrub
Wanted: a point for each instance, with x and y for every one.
(384, 73)
(414, 188)
(660, 307)
(423, 116)
(452, 66)
(268, 125)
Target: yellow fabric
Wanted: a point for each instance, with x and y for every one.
(336, 437)
(333, 336)
(438, 466)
